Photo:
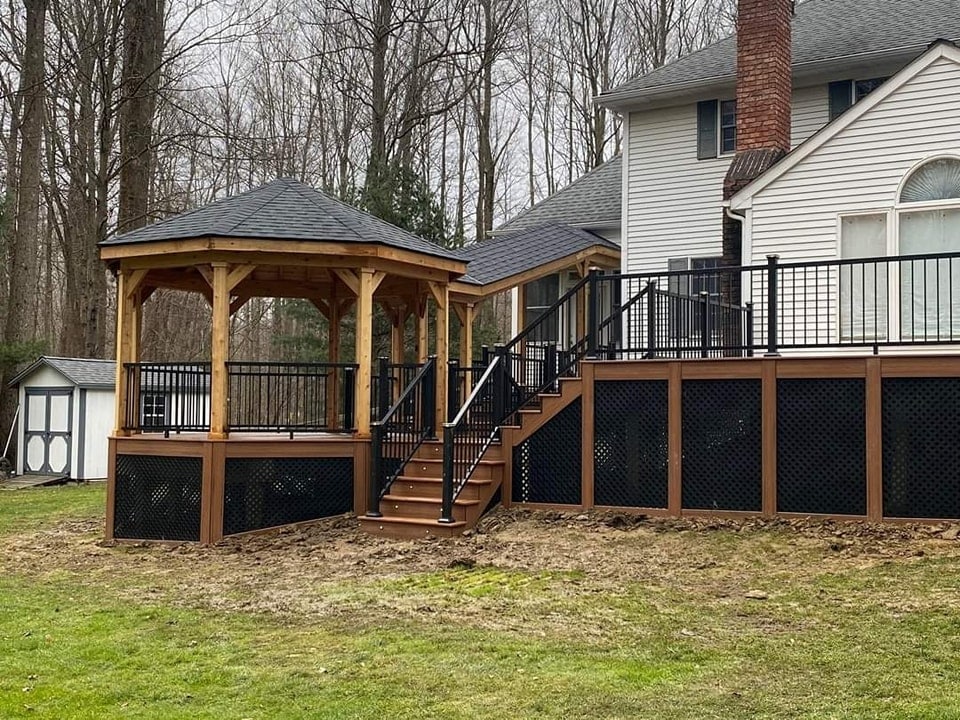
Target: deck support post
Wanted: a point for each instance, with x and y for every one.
(466, 312)
(333, 356)
(219, 352)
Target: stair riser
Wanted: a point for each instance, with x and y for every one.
(408, 532)
(483, 471)
(427, 511)
(431, 489)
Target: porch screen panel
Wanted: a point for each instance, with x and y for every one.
(157, 497)
(721, 429)
(930, 289)
(921, 453)
(821, 446)
(268, 492)
(864, 287)
(630, 443)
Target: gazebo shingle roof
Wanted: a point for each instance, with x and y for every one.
(282, 210)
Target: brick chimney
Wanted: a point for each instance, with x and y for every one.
(764, 91)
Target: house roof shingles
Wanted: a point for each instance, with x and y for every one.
(282, 210)
(594, 200)
(83, 372)
(823, 31)
(504, 256)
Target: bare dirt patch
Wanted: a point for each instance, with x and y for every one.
(332, 569)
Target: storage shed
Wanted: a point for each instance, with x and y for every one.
(66, 415)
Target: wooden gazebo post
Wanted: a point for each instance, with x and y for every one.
(466, 312)
(441, 296)
(219, 351)
(422, 314)
(129, 304)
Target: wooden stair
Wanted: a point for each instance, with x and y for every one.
(412, 506)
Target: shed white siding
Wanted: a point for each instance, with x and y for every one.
(97, 428)
(673, 201)
(859, 170)
(42, 377)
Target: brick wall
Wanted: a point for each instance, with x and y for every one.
(764, 84)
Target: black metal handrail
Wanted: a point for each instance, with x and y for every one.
(396, 437)
(167, 397)
(291, 397)
(473, 429)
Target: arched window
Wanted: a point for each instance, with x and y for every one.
(936, 180)
(930, 288)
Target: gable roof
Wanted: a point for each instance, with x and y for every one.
(826, 33)
(281, 210)
(82, 372)
(592, 201)
(942, 49)
(504, 256)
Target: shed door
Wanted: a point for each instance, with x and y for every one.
(47, 430)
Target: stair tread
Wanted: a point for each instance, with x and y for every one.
(440, 460)
(398, 520)
(425, 499)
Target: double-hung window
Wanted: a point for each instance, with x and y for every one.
(153, 408)
(683, 291)
(716, 128)
(846, 93)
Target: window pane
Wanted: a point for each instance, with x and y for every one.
(862, 88)
(728, 126)
(930, 289)
(863, 286)
(937, 180)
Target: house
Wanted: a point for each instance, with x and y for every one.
(66, 414)
(694, 135)
(733, 367)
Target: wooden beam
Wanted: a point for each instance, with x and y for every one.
(238, 302)
(322, 306)
(123, 351)
(674, 440)
(206, 273)
(874, 441)
(423, 317)
(441, 295)
(238, 274)
(768, 441)
(333, 356)
(397, 317)
(219, 351)
(348, 278)
(364, 349)
(466, 313)
(134, 281)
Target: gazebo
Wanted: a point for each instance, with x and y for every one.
(245, 420)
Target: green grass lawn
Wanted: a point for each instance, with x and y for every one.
(531, 620)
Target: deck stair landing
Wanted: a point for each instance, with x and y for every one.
(411, 508)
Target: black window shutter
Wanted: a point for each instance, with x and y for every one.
(841, 97)
(707, 129)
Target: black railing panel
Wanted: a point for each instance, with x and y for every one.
(167, 397)
(290, 397)
(401, 431)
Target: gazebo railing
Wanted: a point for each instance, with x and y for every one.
(167, 397)
(291, 397)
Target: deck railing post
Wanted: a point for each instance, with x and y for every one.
(453, 389)
(651, 318)
(377, 430)
(550, 366)
(430, 398)
(349, 397)
(773, 349)
(499, 385)
(749, 329)
(484, 355)
(593, 313)
(704, 324)
(446, 502)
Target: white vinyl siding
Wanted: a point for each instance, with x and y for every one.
(99, 426)
(673, 201)
(860, 170)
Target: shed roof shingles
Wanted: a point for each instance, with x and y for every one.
(282, 210)
(823, 30)
(82, 372)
